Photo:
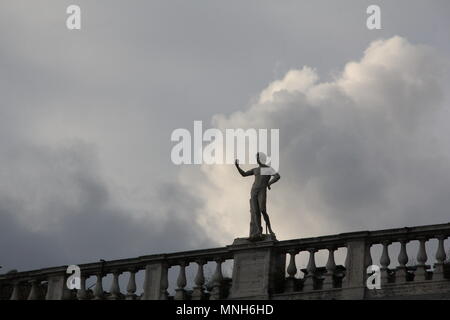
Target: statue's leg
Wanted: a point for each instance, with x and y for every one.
(262, 197)
(258, 216)
(256, 229)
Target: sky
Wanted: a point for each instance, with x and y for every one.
(86, 118)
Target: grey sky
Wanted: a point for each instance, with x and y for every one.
(86, 118)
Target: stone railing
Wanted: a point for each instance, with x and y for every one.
(50, 283)
(349, 281)
(259, 271)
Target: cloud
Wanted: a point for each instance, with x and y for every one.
(362, 151)
(359, 152)
(56, 208)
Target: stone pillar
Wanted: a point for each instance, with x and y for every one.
(355, 269)
(155, 277)
(258, 270)
(57, 288)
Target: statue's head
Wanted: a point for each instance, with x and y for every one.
(261, 158)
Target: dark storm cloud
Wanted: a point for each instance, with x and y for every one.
(55, 209)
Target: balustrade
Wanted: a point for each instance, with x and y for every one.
(344, 281)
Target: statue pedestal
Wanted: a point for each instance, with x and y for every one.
(262, 239)
(258, 269)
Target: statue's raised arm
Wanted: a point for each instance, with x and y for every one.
(242, 172)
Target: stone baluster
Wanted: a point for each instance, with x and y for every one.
(180, 292)
(385, 261)
(421, 272)
(291, 281)
(16, 291)
(198, 292)
(308, 283)
(438, 273)
(98, 290)
(82, 293)
(131, 287)
(217, 281)
(164, 295)
(35, 292)
(328, 282)
(401, 273)
(115, 288)
(367, 260)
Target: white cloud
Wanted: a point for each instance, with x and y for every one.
(359, 152)
(294, 80)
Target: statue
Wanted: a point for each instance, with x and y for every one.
(263, 181)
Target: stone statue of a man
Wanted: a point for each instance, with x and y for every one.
(263, 174)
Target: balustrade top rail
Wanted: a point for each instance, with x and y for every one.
(224, 253)
(372, 237)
